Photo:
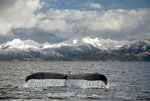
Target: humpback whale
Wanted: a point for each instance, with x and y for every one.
(84, 76)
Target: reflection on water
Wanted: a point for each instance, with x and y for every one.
(127, 81)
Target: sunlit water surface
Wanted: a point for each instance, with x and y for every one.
(127, 81)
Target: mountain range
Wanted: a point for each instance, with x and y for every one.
(77, 49)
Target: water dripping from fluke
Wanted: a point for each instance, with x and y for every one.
(85, 80)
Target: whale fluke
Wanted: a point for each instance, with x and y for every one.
(84, 76)
(46, 75)
(90, 77)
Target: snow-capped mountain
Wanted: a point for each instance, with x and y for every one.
(102, 44)
(19, 44)
(21, 49)
(18, 49)
(136, 48)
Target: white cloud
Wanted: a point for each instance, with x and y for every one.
(70, 22)
(52, 25)
(93, 5)
(118, 20)
(18, 15)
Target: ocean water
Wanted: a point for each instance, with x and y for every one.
(128, 81)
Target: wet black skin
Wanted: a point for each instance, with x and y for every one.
(84, 76)
(46, 75)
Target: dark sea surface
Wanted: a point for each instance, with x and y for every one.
(128, 81)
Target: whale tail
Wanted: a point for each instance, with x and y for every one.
(46, 75)
(84, 76)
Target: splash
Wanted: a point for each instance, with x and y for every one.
(46, 83)
(84, 84)
(65, 83)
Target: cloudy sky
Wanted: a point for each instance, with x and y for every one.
(59, 20)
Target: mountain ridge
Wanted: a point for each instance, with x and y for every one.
(77, 49)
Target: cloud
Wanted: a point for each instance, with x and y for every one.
(22, 16)
(17, 14)
(93, 5)
(69, 23)
(36, 35)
